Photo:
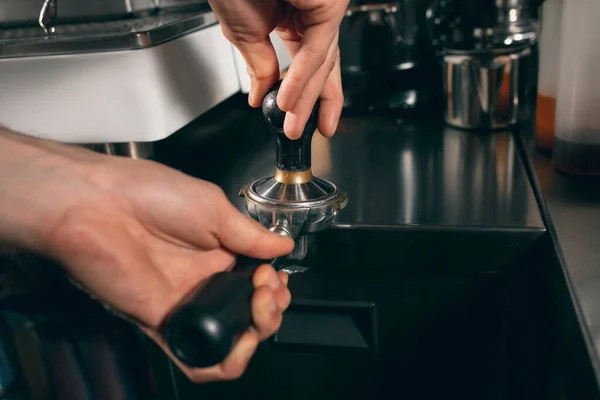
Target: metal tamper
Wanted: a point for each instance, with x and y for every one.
(203, 329)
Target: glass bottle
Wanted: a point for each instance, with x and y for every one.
(577, 137)
(549, 52)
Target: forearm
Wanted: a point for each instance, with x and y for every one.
(32, 196)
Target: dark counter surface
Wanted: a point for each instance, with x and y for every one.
(420, 172)
(438, 225)
(408, 172)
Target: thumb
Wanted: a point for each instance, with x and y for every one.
(263, 67)
(242, 235)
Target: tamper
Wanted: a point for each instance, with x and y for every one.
(202, 330)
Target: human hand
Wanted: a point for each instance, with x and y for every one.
(309, 30)
(137, 235)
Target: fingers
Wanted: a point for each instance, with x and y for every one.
(265, 312)
(317, 54)
(332, 100)
(270, 300)
(312, 55)
(296, 118)
(242, 235)
(231, 368)
(263, 68)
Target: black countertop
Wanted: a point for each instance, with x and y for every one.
(396, 172)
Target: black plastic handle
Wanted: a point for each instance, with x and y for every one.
(204, 328)
(292, 155)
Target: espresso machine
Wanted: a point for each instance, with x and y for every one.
(114, 75)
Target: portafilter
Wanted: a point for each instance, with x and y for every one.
(202, 330)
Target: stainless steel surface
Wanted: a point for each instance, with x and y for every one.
(89, 37)
(485, 89)
(572, 208)
(129, 149)
(452, 23)
(302, 214)
(18, 12)
(163, 4)
(291, 193)
(48, 16)
(515, 21)
(300, 250)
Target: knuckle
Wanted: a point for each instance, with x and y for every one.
(269, 328)
(234, 371)
(192, 375)
(215, 191)
(319, 56)
(197, 376)
(238, 36)
(332, 63)
(71, 230)
(294, 78)
(266, 74)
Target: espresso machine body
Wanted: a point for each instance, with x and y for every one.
(114, 72)
(26, 12)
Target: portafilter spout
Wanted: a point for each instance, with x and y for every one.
(202, 330)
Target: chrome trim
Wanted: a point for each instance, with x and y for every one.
(131, 34)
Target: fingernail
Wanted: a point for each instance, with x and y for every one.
(251, 98)
(335, 126)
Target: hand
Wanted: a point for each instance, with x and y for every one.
(309, 29)
(137, 235)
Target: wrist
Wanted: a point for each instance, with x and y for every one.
(32, 197)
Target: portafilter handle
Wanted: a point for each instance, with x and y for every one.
(292, 155)
(203, 329)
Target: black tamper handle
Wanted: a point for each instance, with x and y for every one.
(292, 155)
(203, 329)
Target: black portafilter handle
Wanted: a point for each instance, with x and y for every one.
(292, 155)
(203, 329)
